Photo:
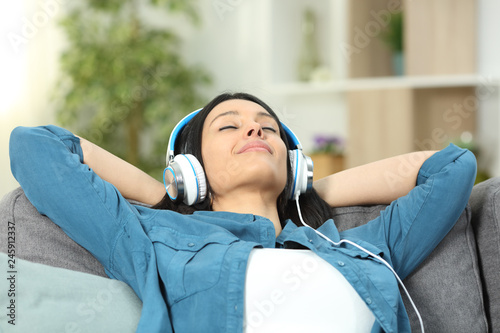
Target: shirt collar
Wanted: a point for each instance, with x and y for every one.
(287, 230)
(328, 229)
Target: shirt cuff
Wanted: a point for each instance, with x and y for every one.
(438, 161)
(71, 141)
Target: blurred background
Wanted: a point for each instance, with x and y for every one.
(356, 80)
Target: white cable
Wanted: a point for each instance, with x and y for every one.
(369, 253)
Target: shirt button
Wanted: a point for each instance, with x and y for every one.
(310, 241)
(190, 244)
(368, 301)
(341, 263)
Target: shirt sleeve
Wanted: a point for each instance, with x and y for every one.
(416, 223)
(48, 164)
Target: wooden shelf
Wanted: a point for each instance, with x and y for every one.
(392, 82)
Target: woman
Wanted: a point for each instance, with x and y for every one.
(188, 263)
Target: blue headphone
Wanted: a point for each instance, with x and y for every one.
(185, 179)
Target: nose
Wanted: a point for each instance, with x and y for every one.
(255, 130)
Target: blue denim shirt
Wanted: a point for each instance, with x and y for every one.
(189, 270)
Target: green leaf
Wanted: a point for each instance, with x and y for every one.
(119, 74)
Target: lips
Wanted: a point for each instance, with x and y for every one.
(255, 146)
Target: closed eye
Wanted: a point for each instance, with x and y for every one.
(270, 129)
(227, 127)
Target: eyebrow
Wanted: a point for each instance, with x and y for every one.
(236, 113)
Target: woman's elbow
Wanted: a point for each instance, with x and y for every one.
(26, 148)
(469, 166)
(18, 141)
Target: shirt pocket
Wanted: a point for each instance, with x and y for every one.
(376, 277)
(365, 252)
(189, 264)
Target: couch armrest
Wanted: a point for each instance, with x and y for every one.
(485, 204)
(38, 239)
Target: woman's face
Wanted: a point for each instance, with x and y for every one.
(242, 148)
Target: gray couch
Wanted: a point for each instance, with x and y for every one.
(457, 289)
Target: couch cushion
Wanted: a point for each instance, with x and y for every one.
(51, 299)
(446, 287)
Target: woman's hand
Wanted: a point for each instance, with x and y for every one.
(378, 182)
(129, 180)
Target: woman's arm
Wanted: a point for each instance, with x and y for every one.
(48, 164)
(414, 224)
(378, 182)
(131, 182)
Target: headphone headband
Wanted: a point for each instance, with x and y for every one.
(175, 133)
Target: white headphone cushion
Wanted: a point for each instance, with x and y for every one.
(299, 171)
(195, 185)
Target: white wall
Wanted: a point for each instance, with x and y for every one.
(238, 45)
(28, 59)
(489, 68)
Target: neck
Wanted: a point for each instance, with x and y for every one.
(249, 203)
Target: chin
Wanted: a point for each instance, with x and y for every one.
(262, 162)
(250, 168)
(270, 176)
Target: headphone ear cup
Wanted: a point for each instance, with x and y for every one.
(196, 183)
(302, 172)
(185, 180)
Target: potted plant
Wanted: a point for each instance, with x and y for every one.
(393, 37)
(124, 82)
(327, 155)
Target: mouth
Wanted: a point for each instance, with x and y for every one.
(255, 146)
